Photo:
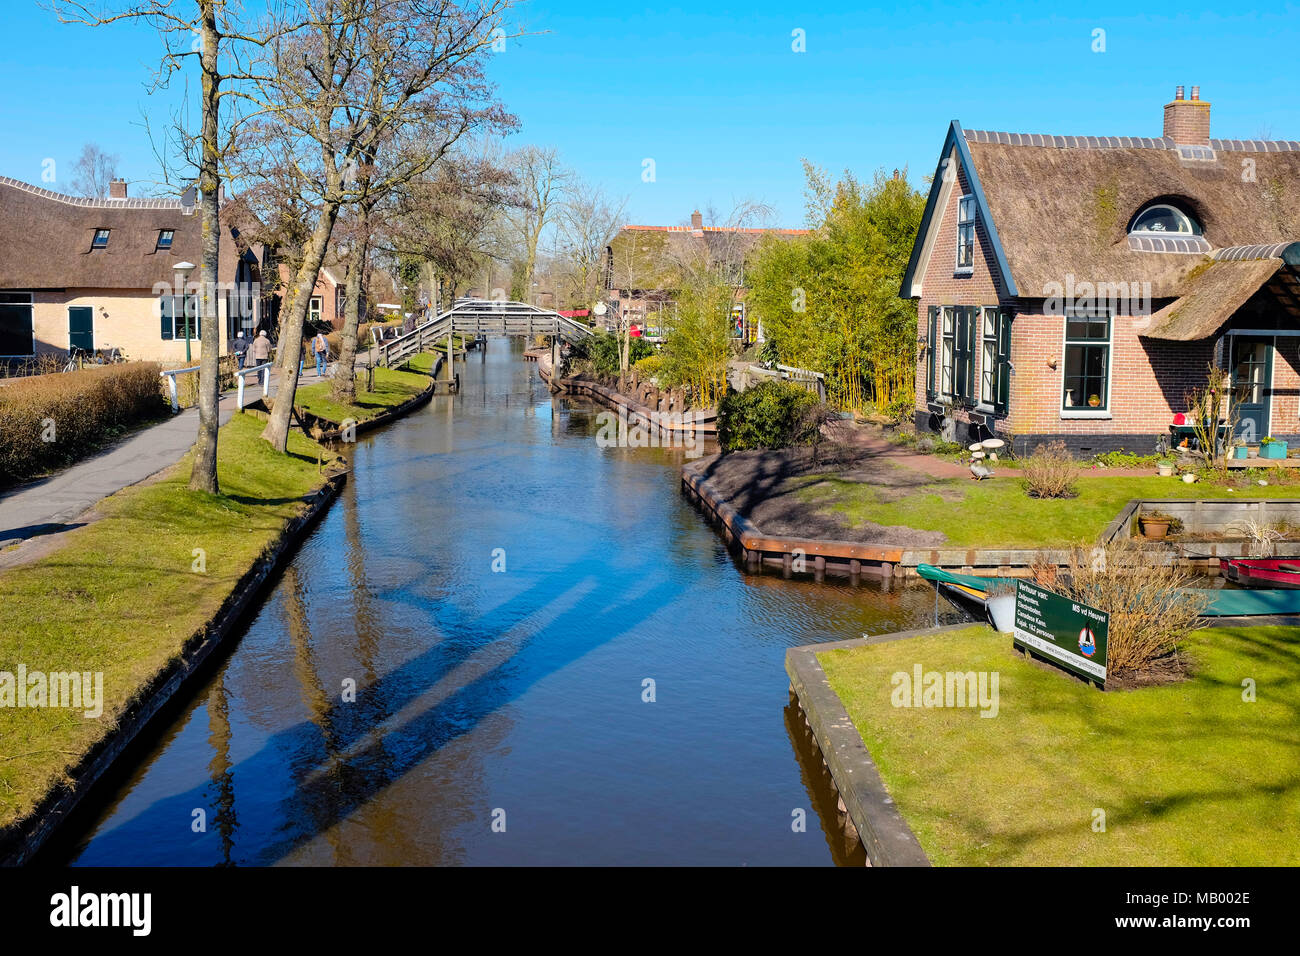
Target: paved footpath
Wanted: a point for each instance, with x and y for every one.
(50, 506)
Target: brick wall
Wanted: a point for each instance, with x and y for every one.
(1149, 378)
(941, 285)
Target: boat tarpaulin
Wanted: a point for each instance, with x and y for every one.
(1251, 602)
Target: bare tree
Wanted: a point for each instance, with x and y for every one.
(542, 181)
(350, 83)
(588, 222)
(213, 35)
(93, 171)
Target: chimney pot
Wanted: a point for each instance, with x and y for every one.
(1178, 93)
(1187, 122)
(117, 189)
(697, 221)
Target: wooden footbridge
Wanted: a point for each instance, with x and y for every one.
(480, 317)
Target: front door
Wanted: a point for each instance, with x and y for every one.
(81, 328)
(1252, 384)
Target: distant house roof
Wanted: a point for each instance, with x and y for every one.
(46, 240)
(648, 257)
(1056, 206)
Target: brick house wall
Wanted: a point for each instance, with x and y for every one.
(1149, 378)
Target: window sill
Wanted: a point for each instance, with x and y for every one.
(1067, 414)
(963, 273)
(985, 409)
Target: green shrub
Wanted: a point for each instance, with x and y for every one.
(650, 366)
(599, 353)
(901, 407)
(48, 421)
(772, 414)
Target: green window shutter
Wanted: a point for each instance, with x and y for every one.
(932, 345)
(967, 325)
(1004, 361)
(165, 308)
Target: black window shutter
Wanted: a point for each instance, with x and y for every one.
(1004, 361)
(972, 346)
(166, 319)
(932, 345)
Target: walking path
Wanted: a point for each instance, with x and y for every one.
(48, 507)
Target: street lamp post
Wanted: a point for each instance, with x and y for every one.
(182, 270)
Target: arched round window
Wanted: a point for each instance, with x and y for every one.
(1162, 219)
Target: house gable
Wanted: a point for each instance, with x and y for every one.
(955, 169)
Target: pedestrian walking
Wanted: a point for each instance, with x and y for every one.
(240, 348)
(260, 352)
(320, 347)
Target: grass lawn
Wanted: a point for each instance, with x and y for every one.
(1187, 773)
(998, 513)
(122, 596)
(392, 387)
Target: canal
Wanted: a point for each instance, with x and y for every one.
(500, 591)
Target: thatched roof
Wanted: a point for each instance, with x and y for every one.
(45, 240)
(1063, 204)
(650, 257)
(1223, 284)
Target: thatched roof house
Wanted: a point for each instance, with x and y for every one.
(645, 265)
(1076, 287)
(94, 273)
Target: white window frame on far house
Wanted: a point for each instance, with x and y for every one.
(965, 235)
(1105, 409)
(20, 299)
(315, 308)
(990, 325)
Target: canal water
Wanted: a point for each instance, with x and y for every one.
(501, 592)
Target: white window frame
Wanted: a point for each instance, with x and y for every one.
(985, 403)
(1193, 226)
(947, 372)
(31, 302)
(1085, 412)
(315, 308)
(962, 203)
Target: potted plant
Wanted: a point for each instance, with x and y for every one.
(1165, 467)
(1270, 447)
(1239, 450)
(1154, 524)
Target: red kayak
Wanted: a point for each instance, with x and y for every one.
(1262, 572)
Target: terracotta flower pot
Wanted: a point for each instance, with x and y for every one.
(1155, 529)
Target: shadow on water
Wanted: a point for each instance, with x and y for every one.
(476, 691)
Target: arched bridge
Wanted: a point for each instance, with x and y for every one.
(481, 317)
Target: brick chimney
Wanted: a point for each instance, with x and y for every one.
(1187, 122)
(117, 189)
(697, 221)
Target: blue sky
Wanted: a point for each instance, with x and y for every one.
(714, 94)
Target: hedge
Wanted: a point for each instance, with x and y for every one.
(48, 421)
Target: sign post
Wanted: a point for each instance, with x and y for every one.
(1071, 634)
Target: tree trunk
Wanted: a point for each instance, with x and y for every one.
(203, 476)
(292, 320)
(345, 374)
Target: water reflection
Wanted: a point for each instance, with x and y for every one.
(519, 691)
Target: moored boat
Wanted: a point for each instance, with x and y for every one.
(1262, 572)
